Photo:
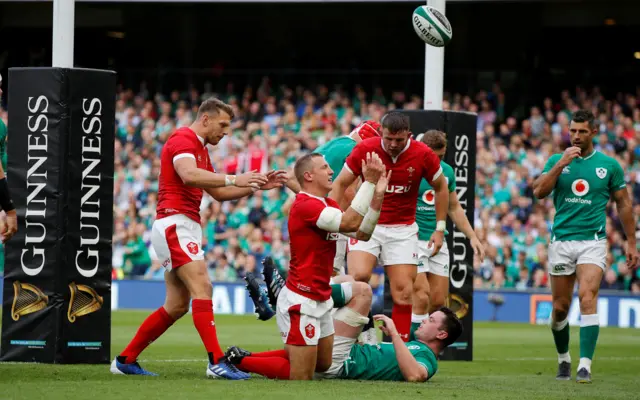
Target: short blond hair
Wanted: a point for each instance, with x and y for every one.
(214, 106)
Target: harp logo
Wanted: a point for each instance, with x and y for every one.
(27, 299)
(84, 300)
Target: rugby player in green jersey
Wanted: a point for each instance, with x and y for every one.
(413, 361)
(581, 182)
(431, 287)
(9, 221)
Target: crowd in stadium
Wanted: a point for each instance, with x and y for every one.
(275, 126)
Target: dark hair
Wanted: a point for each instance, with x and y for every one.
(396, 122)
(584, 116)
(214, 106)
(303, 165)
(452, 325)
(435, 139)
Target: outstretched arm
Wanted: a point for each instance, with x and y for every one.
(193, 176)
(340, 185)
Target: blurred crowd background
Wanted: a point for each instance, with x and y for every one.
(274, 126)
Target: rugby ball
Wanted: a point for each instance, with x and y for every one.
(431, 26)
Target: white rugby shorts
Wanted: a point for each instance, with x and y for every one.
(177, 240)
(391, 244)
(564, 256)
(302, 321)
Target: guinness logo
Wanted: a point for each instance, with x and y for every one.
(84, 300)
(27, 299)
(457, 305)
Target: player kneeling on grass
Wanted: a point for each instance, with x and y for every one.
(413, 361)
(304, 306)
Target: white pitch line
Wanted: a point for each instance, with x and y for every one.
(555, 358)
(190, 360)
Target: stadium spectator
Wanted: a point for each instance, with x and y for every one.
(277, 125)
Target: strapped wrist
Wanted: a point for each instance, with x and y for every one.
(229, 180)
(5, 197)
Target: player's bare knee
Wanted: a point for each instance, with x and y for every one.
(361, 276)
(560, 309)
(362, 290)
(177, 310)
(402, 293)
(420, 298)
(203, 290)
(437, 300)
(588, 301)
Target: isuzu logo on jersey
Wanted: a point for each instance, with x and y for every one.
(429, 197)
(580, 187)
(398, 188)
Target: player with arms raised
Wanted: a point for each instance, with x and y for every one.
(431, 287)
(395, 241)
(304, 305)
(185, 171)
(335, 152)
(582, 181)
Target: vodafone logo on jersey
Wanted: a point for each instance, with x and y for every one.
(429, 197)
(580, 187)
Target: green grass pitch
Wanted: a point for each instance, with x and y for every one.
(512, 361)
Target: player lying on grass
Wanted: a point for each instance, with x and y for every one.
(304, 306)
(431, 287)
(413, 361)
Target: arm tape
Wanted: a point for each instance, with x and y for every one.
(5, 197)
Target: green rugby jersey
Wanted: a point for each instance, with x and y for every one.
(3, 145)
(426, 210)
(379, 362)
(336, 152)
(581, 195)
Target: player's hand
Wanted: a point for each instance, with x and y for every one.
(569, 155)
(632, 256)
(10, 226)
(387, 327)
(275, 179)
(372, 168)
(383, 182)
(478, 248)
(251, 179)
(436, 241)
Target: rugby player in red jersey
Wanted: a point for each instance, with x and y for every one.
(394, 242)
(304, 305)
(185, 172)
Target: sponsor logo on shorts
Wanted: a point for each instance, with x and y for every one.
(429, 197)
(310, 331)
(446, 267)
(353, 241)
(193, 248)
(415, 255)
(559, 267)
